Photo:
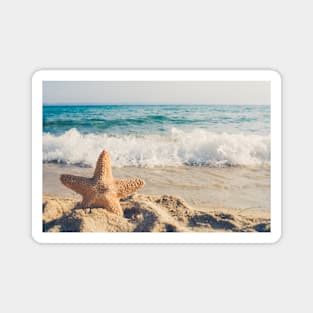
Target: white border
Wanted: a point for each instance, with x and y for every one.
(156, 75)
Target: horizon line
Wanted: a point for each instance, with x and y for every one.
(103, 104)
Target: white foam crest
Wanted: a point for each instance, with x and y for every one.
(197, 147)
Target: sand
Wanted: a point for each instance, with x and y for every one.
(149, 213)
(201, 187)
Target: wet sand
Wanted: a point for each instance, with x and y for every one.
(201, 187)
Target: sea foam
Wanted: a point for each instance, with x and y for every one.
(197, 147)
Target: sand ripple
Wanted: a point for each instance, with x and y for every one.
(147, 213)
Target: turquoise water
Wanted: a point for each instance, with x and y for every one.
(158, 135)
(156, 119)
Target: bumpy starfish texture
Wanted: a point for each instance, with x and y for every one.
(102, 190)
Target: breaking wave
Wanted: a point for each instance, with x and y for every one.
(197, 147)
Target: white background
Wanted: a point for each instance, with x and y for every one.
(161, 34)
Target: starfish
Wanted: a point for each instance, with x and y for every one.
(102, 190)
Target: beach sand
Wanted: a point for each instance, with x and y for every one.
(201, 187)
(182, 199)
(149, 213)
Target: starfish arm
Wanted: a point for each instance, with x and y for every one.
(114, 206)
(127, 186)
(81, 185)
(103, 167)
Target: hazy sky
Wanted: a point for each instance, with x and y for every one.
(95, 92)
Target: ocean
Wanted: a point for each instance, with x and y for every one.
(151, 136)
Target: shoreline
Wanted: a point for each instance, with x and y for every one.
(201, 187)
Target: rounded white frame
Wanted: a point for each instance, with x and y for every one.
(157, 75)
